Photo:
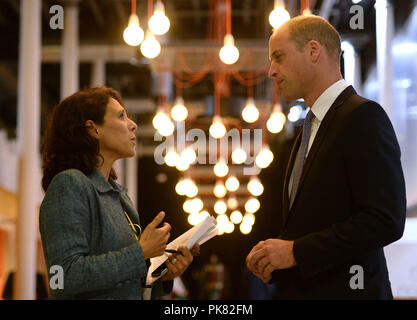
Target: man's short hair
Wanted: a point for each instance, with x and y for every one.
(302, 29)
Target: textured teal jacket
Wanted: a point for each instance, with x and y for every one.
(85, 231)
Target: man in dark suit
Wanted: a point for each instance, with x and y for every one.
(344, 190)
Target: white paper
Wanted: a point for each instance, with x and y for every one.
(200, 233)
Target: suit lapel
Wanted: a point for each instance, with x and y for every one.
(318, 140)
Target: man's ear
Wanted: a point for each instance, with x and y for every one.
(315, 49)
(92, 128)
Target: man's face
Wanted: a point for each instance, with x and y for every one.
(289, 67)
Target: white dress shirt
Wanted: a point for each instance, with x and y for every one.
(319, 109)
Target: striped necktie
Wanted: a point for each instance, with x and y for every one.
(299, 163)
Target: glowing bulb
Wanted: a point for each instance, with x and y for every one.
(245, 228)
(279, 15)
(188, 155)
(219, 190)
(222, 219)
(236, 217)
(248, 218)
(217, 129)
(179, 112)
(188, 188)
(295, 113)
(167, 129)
(239, 156)
(221, 169)
(229, 54)
(232, 184)
(163, 124)
(276, 120)
(255, 187)
(252, 205)
(220, 207)
(182, 165)
(150, 47)
(196, 205)
(264, 158)
(232, 203)
(250, 112)
(193, 218)
(133, 34)
(179, 187)
(171, 158)
(229, 227)
(187, 206)
(159, 23)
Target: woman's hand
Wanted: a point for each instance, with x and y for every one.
(154, 240)
(179, 262)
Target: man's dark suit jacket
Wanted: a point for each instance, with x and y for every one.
(350, 203)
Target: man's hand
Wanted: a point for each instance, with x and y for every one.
(270, 255)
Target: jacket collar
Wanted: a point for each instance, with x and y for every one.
(103, 185)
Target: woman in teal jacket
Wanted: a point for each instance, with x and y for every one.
(88, 224)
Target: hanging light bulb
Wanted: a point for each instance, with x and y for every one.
(182, 165)
(279, 15)
(220, 207)
(232, 203)
(159, 23)
(221, 169)
(264, 157)
(222, 221)
(179, 187)
(248, 218)
(229, 54)
(188, 155)
(232, 184)
(245, 228)
(163, 123)
(255, 187)
(252, 205)
(188, 188)
(250, 112)
(217, 129)
(194, 218)
(187, 206)
(229, 227)
(197, 205)
(239, 156)
(219, 189)
(276, 120)
(150, 47)
(236, 217)
(179, 112)
(133, 34)
(171, 158)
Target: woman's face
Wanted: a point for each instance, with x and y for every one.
(117, 133)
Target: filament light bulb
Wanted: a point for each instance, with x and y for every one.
(133, 34)
(150, 47)
(159, 23)
(229, 54)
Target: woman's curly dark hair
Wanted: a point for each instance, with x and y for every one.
(66, 142)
